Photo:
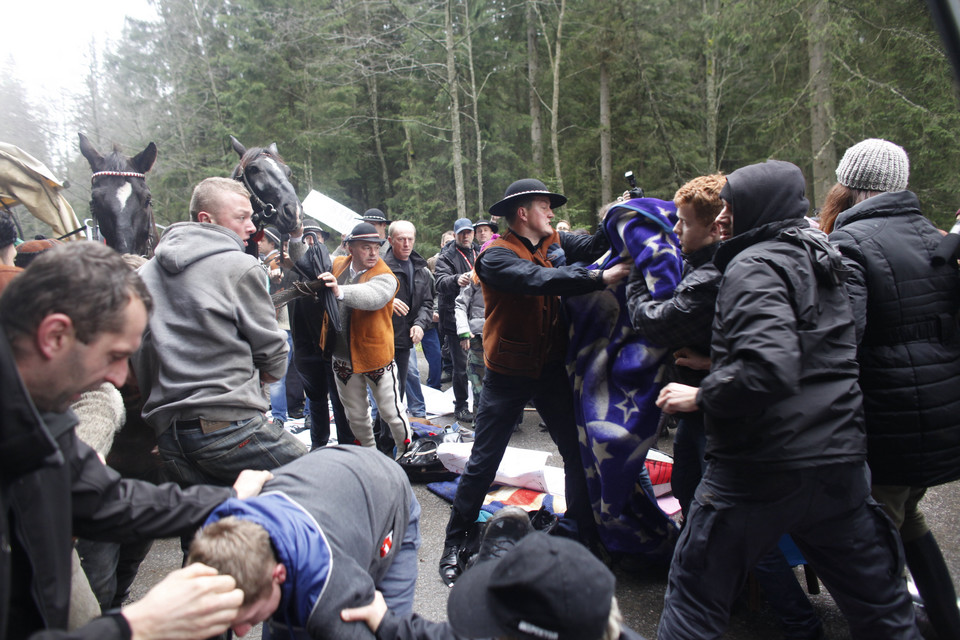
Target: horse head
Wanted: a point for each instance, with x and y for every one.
(267, 178)
(120, 199)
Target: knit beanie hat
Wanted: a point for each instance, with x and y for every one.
(874, 165)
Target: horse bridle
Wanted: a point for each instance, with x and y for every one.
(120, 174)
(265, 212)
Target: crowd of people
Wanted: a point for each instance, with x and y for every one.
(812, 363)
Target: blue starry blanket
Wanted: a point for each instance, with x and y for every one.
(616, 378)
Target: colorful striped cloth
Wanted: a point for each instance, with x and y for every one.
(616, 378)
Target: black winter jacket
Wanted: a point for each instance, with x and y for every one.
(782, 392)
(685, 320)
(74, 494)
(910, 350)
(419, 297)
(452, 261)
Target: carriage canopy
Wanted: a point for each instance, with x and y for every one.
(27, 181)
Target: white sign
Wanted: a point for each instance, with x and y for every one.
(330, 212)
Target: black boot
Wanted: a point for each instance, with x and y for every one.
(933, 581)
(503, 531)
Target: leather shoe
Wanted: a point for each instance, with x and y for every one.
(449, 564)
(503, 531)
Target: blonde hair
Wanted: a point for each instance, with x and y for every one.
(237, 548)
(703, 194)
(206, 195)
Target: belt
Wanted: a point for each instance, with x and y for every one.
(207, 426)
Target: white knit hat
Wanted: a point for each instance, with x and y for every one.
(874, 165)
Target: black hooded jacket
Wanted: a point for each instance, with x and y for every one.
(782, 392)
(910, 351)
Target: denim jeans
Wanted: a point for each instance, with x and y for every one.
(193, 457)
(431, 351)
(278, 390)
(414, 393)
(502, 400)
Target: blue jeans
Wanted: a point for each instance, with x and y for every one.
(431, 351)
(502, 400)
(278, 390)
(414, 394)
(193, 457)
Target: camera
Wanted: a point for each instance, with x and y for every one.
(635, 191)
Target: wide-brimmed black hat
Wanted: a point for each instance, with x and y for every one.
(364, 232)
(544, 587)
(375, 215)
(524, 189)
(492, 225)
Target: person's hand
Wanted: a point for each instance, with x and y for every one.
(189, 604)
(436, 316)
(276, 274)
(464, 278)
(330, 281)
(678, 398)
(465, 344)
(250, 482)
(416, 334)
(616, 273)
(687, 357)
(372, 613)
(400, 308)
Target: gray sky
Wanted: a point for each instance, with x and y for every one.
(48, 41)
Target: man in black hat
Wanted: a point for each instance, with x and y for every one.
(380, 222)
(363, 352)
(524, 344)
(452, 274)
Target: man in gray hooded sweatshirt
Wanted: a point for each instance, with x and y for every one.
(786, 450)
(211, 345)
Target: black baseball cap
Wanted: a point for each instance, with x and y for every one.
(545, 588)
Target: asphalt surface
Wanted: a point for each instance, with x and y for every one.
(640, 595)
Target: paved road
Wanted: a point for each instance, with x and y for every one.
(640, 595)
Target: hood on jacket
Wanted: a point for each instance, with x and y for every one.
(772, 191)
(298, 542)
(187, 242)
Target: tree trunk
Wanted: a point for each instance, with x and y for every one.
(475, 108)
(456, 141)
(606, 172)
(374, 91)
(533, 70)
(555, 99)
(712, 93)
(821, 103)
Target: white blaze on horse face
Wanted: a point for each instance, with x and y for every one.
(123, 194)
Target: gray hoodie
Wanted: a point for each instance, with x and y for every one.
(212, 332)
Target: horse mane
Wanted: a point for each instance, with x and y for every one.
(252, 154)
(115, 161)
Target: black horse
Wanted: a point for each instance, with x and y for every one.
(120, 199)
(267, 178)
